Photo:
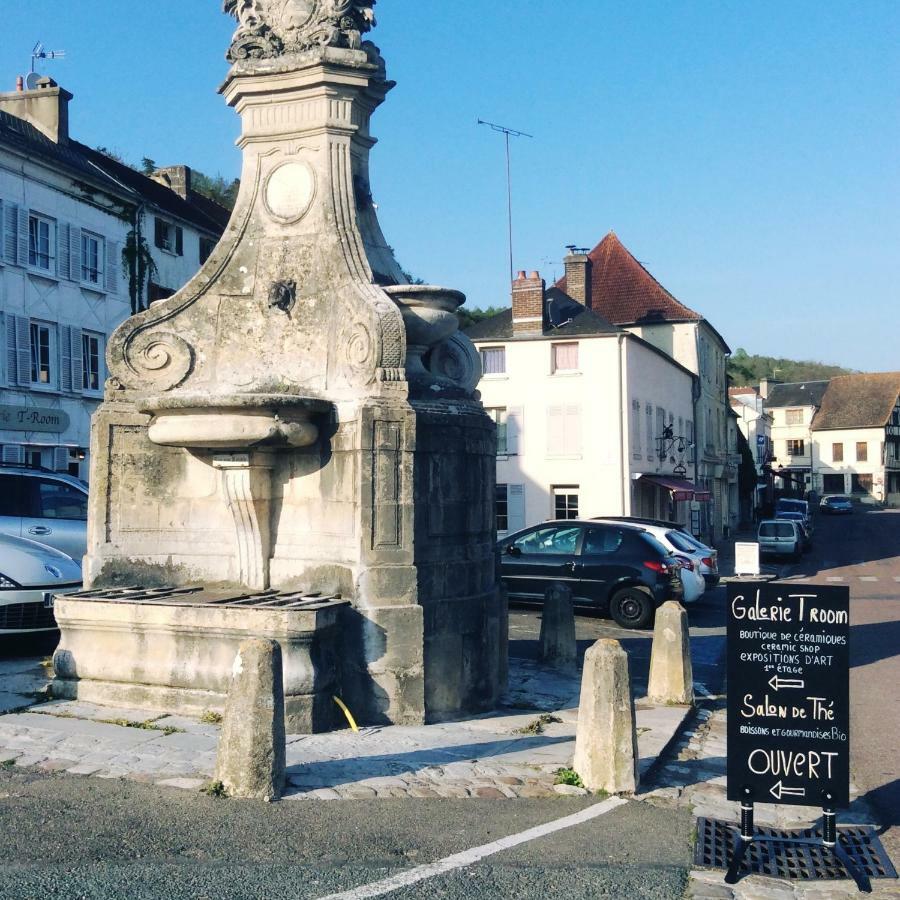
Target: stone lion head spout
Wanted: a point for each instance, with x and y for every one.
(272, 28)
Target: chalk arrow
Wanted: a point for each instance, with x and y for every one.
(780, 684)
(779, 791)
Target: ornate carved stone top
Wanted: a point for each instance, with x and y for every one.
(271, 28)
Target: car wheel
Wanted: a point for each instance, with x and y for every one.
(632, 608)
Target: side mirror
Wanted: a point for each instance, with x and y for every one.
(513, 550)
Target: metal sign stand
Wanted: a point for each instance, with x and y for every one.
(829, 841)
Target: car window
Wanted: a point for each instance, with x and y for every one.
(599, 541)
(679, 542)
(776, 529)
(557, 539)
(13, 496)
(58, 500)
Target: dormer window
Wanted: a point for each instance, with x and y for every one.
(169, 237)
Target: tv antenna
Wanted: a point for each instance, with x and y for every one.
(40, 52)
(508, 133)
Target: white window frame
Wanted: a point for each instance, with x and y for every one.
(35, 266)
(84, 276)
(35, 328)
(499, 416)
(555, 368)
(794, 417)
(87, 338)
(170, 242)
(566, 491)
(484, 350)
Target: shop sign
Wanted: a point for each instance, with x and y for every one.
(33, 418)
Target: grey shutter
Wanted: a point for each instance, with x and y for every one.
(515, 506)
(75, 252)
(65, 359)
(10, 226)
(23, 350)
(514, 416)
(113, 250)
(77, 360)
(23, 236)
(61, 459)
(62, 251)
(11, 374)
(13, 453)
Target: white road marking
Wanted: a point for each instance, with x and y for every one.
(476, 854)
(836, 578)
(897, 578)
(868, 578)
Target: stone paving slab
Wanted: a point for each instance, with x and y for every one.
(500, 755)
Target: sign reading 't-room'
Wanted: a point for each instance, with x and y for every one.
(789, 694)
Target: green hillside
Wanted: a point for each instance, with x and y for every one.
(746, 370)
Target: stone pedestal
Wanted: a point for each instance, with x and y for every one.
(671, 670)
(559, 647)
(268, 426)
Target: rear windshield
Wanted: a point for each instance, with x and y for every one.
(791, 506)
(655, 544)
(776, 529)
(680, 542)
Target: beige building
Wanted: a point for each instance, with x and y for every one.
(592, 419)
(856, 438)
(613, 284)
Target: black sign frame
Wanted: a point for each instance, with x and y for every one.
(789, 693)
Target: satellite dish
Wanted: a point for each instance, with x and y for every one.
(31, 81)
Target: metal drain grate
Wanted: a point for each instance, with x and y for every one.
(196, 596)
(772, 854)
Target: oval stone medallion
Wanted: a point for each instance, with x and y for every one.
(289, 191)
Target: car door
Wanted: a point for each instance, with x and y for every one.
(13, 503)
(540, 557)
(605, 561)
(58, 516)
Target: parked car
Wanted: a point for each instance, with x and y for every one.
(836, 506)
(790, 505)
(709, 558)
(617, 568)
(806, 527)
(780, 537)
(44, 506)
(30, 575)
(692, 581)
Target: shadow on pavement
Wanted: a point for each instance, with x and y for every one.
(874, 642)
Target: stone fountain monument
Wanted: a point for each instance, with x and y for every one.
(292, 446)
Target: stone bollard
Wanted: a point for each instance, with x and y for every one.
(558, 645)
(671, 673)
(251, 758)
(606, 754)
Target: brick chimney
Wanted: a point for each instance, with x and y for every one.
(528, 304)
(578, 277)
(765, 387)
(46, 108)
(178, 178)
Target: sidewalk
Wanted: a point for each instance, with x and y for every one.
(511, 753)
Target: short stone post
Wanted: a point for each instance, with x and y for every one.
(671, 672)
(606, 753)
(558, 645)
(251, 757)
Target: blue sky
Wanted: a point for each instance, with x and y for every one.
(747, 153)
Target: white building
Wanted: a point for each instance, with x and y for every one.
(66, 213)
(592, 420)
(612, 283)
(754, 422)
(856, 438)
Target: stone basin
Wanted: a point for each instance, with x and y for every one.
(232, 422)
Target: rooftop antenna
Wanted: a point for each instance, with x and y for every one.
(508, 133)
(39, 52)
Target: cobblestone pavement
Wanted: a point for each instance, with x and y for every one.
(508, 754)
(694, 776)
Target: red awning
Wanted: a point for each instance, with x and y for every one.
(679, 488)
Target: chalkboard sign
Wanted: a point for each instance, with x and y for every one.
(789, 693)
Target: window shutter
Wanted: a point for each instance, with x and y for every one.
(22, 231)
(61, 459)
(514, 416)
(572, 430)
(11, 374)
(75, 252)
(65, 359)
(10, 227)
(179, 240)
(13, 453)
(113, 250)
(77, 360)
(62, 252)
(556, 437)
(515, 506)
(23, 350)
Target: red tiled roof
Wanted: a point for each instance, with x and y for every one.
(624, 292)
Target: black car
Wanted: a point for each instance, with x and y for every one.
(618, 569)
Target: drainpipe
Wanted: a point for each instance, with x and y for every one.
(624, 472)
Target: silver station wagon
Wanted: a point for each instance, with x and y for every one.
(780, 537)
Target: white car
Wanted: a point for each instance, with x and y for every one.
(31, 574)
(692, 580)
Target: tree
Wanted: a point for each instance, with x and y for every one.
(469, 317)
(137, 262)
